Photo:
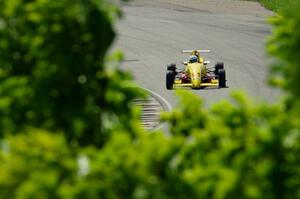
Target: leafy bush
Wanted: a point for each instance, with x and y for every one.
(237, 149)
(35, 165)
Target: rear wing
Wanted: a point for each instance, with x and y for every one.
(198, 51)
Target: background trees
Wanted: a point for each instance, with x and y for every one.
(63, 113)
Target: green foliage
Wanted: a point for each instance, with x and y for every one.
(53, 77)
(38, 164)
(284, 45)
(35, 165)
(276, 5)
(238, 150)
(52, 69)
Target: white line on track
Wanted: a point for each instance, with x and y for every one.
(164, 102)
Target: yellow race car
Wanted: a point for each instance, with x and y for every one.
(195, 73)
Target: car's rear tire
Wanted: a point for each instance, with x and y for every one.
(171, 67)
(222, 78)
(170, 77)
(218, 66)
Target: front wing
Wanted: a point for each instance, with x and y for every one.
(179, 84)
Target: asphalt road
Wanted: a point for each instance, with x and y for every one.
(153, 35)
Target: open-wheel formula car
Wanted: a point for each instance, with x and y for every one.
(195, 73)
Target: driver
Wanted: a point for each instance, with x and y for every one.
(193, 59)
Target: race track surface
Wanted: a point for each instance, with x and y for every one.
(152, 35)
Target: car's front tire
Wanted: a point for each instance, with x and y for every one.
(222, 78)
(170, 77)
(171, 67)
(218, 67)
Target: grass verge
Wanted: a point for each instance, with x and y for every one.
(276, 5)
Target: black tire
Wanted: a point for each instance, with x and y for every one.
(170, 80)
(172, 67)
(218, 66)
(222, 78)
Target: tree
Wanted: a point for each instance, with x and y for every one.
(53, 73)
